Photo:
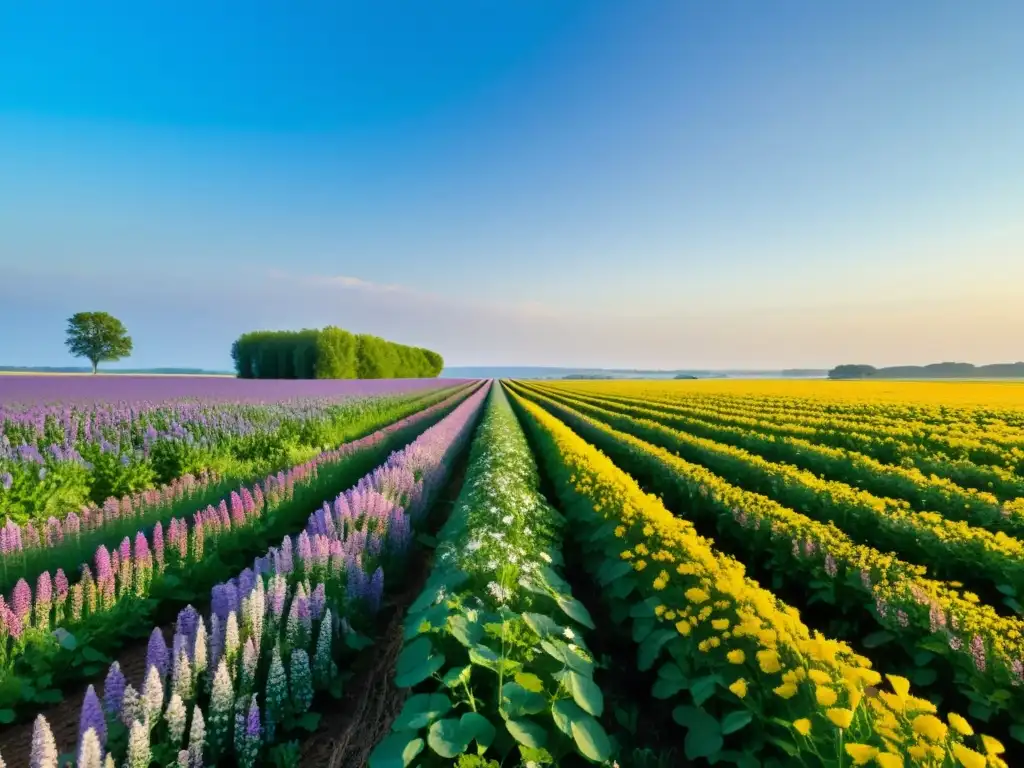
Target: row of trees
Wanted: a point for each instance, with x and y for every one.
(330, 353)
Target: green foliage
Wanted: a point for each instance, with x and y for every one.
(98, 337)
(494, 645)
(330, 353)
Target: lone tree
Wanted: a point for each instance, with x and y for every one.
(98, 336)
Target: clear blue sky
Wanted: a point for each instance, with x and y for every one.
(658, 184)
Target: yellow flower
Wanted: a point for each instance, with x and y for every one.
(930, 727)
(659, 610)
(900, 684)
(720, 624)
(861, 753)
(826, 696)
(803, 726)
(968, 757)
(840, 717)
(889, 760)
(786, 691)
(819, 677)
(696, 595)
(736, 657)
(960, 725)
(992, 746)
(768, 661)
(739, 687)
(620, 531)
(683, 627)
(640, 564)
(660, 583)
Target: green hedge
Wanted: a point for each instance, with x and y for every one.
(330, 353)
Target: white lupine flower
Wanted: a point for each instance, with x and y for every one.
(569, 634)
(90, 755)
(545, 557)
(507, 519)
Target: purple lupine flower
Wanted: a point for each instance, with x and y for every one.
(60, 581)
(157, 653)
(104, 570)
(7, 480)
(978, 652)
(317, 602)
(188, 619)
(92, 717)
(113, 690)
(21, 599)
(305, 550)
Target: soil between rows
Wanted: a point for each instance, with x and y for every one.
(350, 729)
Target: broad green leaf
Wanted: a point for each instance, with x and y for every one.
(591, 739)
(584, 692)
(876, 639)
(527, 732)
(642, 628)
(734, 721)
(703, 736)
(396, 751)
(66, 640)
(542, 625)
(447, 738)
(416, 663)
(309, 721)
(421, 710)
(91, 654)
(575, 609)
(649, 649)
(356, 641)
(521, 701)
(6, 716)
(622, 588)
(530, 682)
(555, 581)
(456, 676)
(476, 727)
(467, 632)
(613, 569)
(564, 712)
(703, 688)
(644, 609)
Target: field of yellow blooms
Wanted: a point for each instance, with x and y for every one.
(812, 572)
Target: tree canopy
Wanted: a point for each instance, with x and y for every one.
(98, 336)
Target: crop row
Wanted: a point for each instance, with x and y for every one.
(751, 683)
(990, 562)
(57, 459)
(943, 640)
(1000, 481)
(910, 484)
(27, 550)
(494, 646)
(234, 684)
(160, 569)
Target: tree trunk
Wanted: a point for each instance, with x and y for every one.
(94, 363)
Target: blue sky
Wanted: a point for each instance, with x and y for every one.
(656, 184)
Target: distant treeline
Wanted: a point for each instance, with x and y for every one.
(119, 371)
(933, 371)
(330, 353)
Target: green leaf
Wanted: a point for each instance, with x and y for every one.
(703, 735)
(876, 639)
(309, 721)
(66, 640)
(527, 732)
(620, 589)
(644, 609)
(585, 692)
(91, 654)
(613, 569)
(671, 681)
(591, 739)
(649, 649)
(1007, 589)
(576, 610)
(642, 628)
(521, 701)
(924, 676)
(467, 632)
(456, 676)
(564, 712)
(542, 625)
(416, 663)
(1017, 732)
(421, 710)
(703, 688)
(395, 751)
(530, 682)
(476, 727)
(356, 641)
(428, 541)
(555, 581)
(734, 721)
(6, 716)
(447, 738)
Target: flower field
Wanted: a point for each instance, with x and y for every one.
(482, 575)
